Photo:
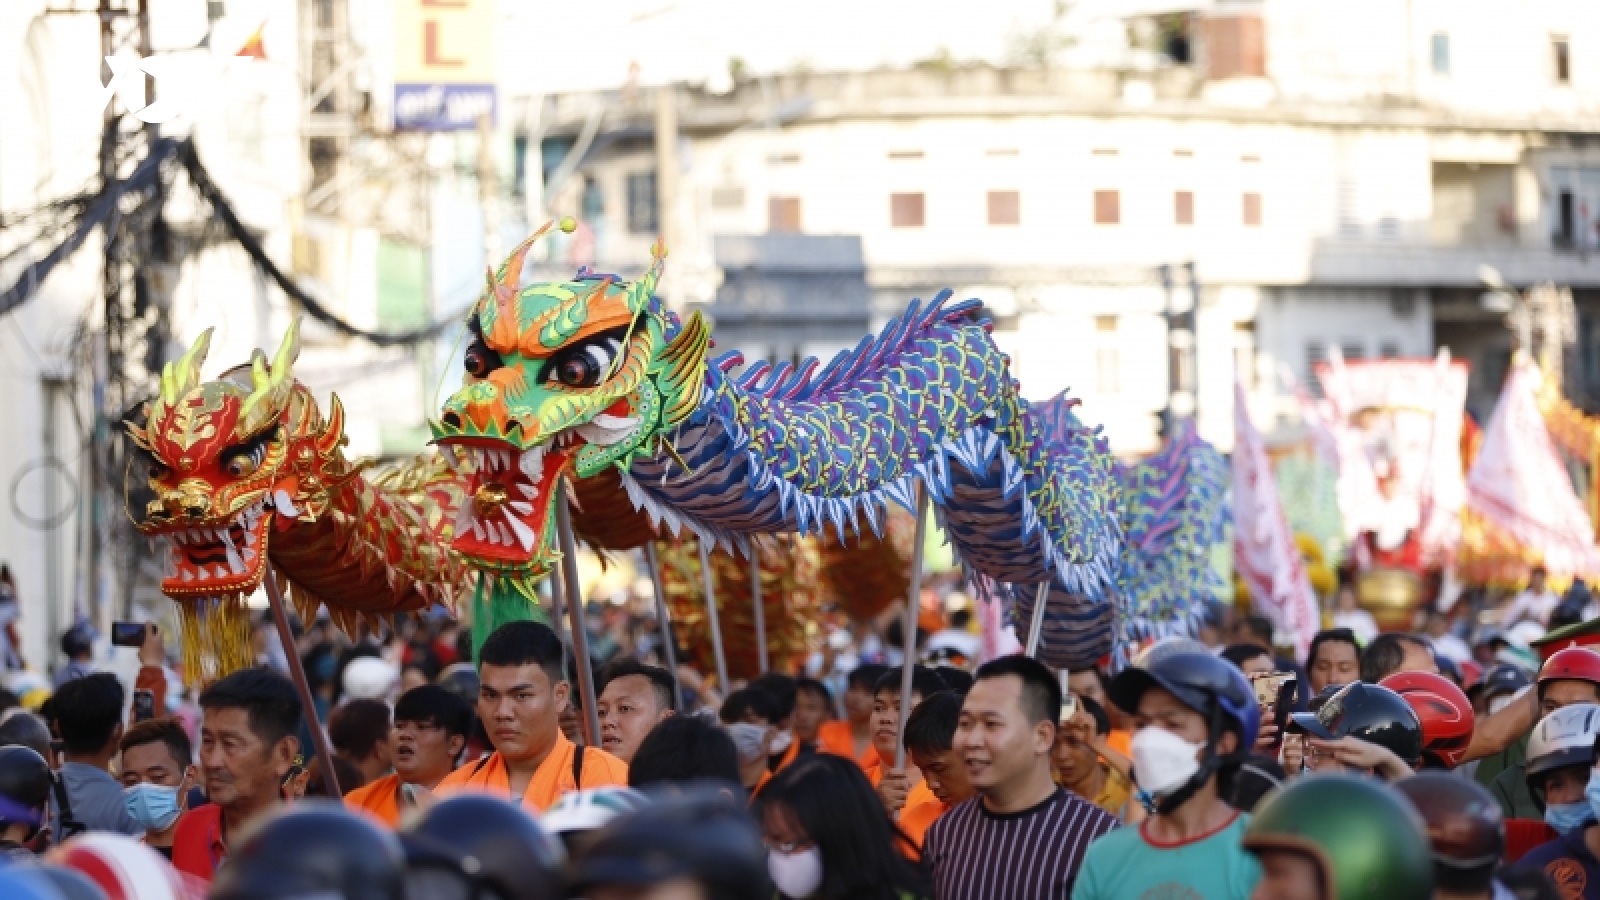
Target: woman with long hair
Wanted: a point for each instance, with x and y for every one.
(828, 837)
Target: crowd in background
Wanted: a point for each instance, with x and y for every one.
(1453, 762)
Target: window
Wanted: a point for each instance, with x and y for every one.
(1315, 355)
(1561, 50)
(642, 203)
(1183, 152)
(1005, 208)
(1183, 207)
(783, 159)
(1107, 358)
(905, 154)
(907, 210)
(1002, 151)
(1441, 54)
(1566, 219)
(1107, 208)
(783, 214)
(1105, 151)
(1389, 350)
(1352, 348)
(727, 197)
(1252, 208)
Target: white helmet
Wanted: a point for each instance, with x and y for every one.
(590, 809)
(1564, 738)
(369, 678)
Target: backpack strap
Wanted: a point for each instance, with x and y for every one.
(577, 766)
(69, 824)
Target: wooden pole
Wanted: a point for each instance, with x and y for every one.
(664, 622)
(908, 629)
(760, 610)
(580, 634)
(319, 738)
(711, 618)
(1036, 628)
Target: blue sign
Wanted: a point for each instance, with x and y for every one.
(442, 107)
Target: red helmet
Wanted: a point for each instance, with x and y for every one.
(1445, 711)
(1571, 664)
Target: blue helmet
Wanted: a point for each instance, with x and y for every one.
(1206, 684)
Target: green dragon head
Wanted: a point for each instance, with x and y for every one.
(562, 378)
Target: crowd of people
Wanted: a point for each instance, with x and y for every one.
(1438, 764)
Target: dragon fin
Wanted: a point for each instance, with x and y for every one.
(682, 368)
(183, 374)
(270, 387)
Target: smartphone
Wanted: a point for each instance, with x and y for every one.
(1267, 686)
(129, 634)
(144, 706)
(1069, 700)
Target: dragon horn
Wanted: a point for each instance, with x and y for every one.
(269, 385)
(643, 289)
(179, 376)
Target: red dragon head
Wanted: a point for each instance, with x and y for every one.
(231, 457)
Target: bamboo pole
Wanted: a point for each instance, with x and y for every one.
(664, 622)
(319, 737)
(711, 618)
(908, 629)
(1036, 628)
(760, 610)
(580, 634)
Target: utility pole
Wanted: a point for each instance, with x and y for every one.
(1182, 383)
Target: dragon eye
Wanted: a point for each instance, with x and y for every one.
(480, 360)
(586, 364)
(242, 461)
(159, 471)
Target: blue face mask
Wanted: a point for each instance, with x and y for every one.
(1564, 817)
(153, 806)
(1591, 793)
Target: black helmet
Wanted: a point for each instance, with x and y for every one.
(704, 836)
(497, 845)
(460, 679)
(1209, 685)
(1465, 828)
(316, 848)
(25, 781)
(1370, 712)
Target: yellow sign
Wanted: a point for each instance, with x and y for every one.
(444, 66)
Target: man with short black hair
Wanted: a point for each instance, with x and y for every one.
(813, 706)
(431, 725)
(750, 705)
(783, 748)
(683, 750)
(359, 732)
(930, 735)
(521, 693)
(157, 760)
(896, 788)
(1396, 652)
(634, 698)
(248, 752)
(87, 713)
(1022, 836)
(851, 737)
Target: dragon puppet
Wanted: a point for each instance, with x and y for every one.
(245, 468)
(1174, 514)
(593, 378)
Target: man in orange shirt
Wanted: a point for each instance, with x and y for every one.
(785, 745)
(431, 726)
(851, 737)
(521, 693)
(898, 789)
(930, 735)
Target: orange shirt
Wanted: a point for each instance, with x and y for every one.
(1120, 741)
(919, 793)
(552, 779)
(915, 819)
(379, 799)
(834, 737)
(786, 759)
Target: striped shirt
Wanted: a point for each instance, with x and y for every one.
(1034, 854)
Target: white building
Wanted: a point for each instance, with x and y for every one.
(1336, 173)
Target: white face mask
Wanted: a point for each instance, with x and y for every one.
(780, 742)
(1162, 761)
(796, 875)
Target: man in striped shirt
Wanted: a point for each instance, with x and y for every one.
(1022, 837)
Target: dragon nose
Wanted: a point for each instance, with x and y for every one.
(192, 505)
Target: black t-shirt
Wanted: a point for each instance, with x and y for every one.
(1568, 864)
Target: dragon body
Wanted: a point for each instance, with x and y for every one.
(246, 468)
(570, 381)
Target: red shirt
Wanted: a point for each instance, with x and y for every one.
(197, 845)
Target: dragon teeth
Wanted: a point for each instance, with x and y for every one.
(524, 533)
(477, 529)
(249, 555)
(532, 462)
(505, 534)
(527, 490)
(522, 508)
(188, 575)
